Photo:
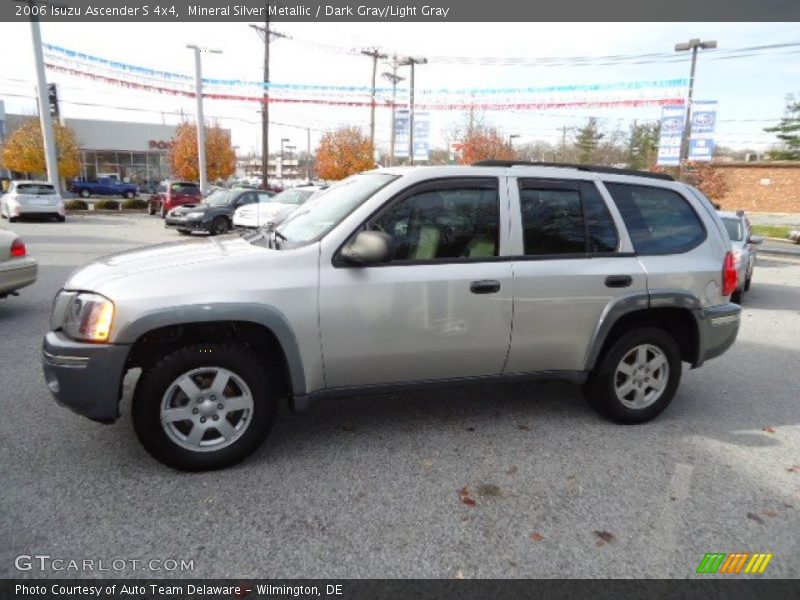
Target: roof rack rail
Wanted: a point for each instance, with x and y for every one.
(589, 168)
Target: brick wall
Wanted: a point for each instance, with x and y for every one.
(762, 186)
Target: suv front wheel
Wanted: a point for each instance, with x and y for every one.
(637, 376)
(204, 406)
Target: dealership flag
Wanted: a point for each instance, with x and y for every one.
(669, 145)
(704, 120)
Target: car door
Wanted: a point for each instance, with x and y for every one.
(441, 308)
(574, 261)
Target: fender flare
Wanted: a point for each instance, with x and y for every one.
(267, 316)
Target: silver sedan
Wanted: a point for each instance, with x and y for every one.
(745, 248)
(17, 269)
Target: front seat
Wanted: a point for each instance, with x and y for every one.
(429, 208)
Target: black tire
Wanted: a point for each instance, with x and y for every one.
(12, 219)
(184, 232)
(61, 219)
(85, 194)
(162, 212)
(747, 284)
(219, 226)
(156, 380)
(736, 297)
(600, 387)
(151, 210)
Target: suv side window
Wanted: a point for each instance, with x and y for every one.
(600, 226)
(552, 219)
(450, 221)
(660, 221)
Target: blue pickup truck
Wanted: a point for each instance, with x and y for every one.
(105, 186)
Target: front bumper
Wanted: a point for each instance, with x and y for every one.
(86, 378)
(717, 328)
(185, 225)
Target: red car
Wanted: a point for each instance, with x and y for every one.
(171, 194)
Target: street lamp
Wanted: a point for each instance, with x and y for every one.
(694, 45)
(411, 61)
(201, 124)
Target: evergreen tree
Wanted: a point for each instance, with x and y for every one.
(643, 145)
(788, 132)
(587, 140)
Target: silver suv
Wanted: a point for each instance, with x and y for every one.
(396, 278)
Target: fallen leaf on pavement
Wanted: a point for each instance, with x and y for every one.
(511, 470)
(466, 497)
(770, 513)
(427, 463)
(536, 536)
(793, 469)
(348, 427)
(459, 574)
(523, 427)
(604, 537)
(755, 518)
(470, 429)
(490, 489)
(769, 429)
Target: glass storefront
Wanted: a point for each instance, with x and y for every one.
(141, 168)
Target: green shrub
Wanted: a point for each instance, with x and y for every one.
(135, 204)
(106, 205)
(76, 205)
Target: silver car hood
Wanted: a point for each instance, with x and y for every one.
(170, 262)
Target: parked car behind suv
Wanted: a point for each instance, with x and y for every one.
(275, 209)
(32, 198)
(395, 279)
(214, 213)
(745, 247)
(171, 194)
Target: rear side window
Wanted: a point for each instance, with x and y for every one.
(552, 221)
(565, 218)
(660, 221)
(36, 189)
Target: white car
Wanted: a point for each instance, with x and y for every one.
(275, 209)
(28, 198)
(17, 269)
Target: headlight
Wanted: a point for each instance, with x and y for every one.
(89, 318)
(194, 215)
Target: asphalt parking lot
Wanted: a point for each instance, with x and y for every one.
(374, 487)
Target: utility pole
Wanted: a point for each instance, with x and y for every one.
(201, 124)
(267, 35)
(694, 45)
(375, 54)
(411, 61)
(45, 119)
(395, 79)
(308, 154)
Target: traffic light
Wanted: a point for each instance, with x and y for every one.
(52, 97)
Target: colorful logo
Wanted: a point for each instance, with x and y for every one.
(720, 562)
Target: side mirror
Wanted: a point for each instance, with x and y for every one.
(755, 239)
(368, 247)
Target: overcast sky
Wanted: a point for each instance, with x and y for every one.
(750, 90)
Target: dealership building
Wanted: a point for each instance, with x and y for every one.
(134, 152)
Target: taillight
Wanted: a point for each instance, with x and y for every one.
(729, 276)
(17, 248)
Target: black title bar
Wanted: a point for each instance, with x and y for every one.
(152, 11)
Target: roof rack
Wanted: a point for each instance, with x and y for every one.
(589, 168)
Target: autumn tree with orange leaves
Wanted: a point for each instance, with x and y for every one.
(484, 143)
(220, 156)
(344, 152)
(23, 150)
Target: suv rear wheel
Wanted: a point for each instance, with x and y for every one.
(204, 406)
(637, 377)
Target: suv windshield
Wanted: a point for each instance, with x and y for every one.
(325, 211)
(37, 189)
(734, 228)
(295, 196)
(219, 198)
